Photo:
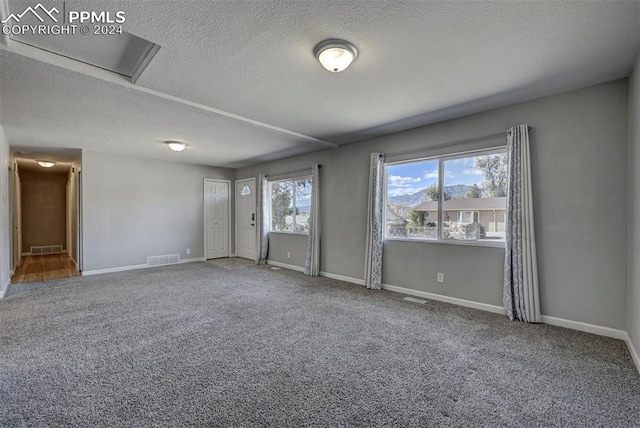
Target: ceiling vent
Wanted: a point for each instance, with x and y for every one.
(105, 46)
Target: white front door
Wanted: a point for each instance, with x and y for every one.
(216, 212)
(246, 218)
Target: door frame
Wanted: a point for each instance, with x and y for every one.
(204, 213)
(79, 222)
(16, 227)
(255, 242)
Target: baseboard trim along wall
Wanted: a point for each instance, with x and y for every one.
(285, 265)
(633, 351)
(342, 278)
(4, 288)
(134, 267)
(325, 274)
(446, 299)
(583, 326)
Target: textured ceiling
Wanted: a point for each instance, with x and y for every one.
(238, 81)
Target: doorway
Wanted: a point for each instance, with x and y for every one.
(216, 218)
(44, 207)
(246, 218)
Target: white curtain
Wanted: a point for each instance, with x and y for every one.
(373, 257)
(263, 220)
(521, 291)
(312, 262)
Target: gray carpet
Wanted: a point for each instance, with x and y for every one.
(229, 344)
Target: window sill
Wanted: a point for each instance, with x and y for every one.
(499, 244)
(286, 232)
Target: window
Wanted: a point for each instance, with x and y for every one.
(468, 216)
(290, 205)
(467, 191)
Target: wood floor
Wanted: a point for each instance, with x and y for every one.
(44, 268)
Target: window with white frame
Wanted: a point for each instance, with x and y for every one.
(459, 197)
(290, 205)
(468, 216)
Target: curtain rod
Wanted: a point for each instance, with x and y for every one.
(450, 143)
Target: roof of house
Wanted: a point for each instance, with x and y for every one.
(457, 204)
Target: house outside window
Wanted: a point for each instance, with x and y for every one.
(466, 190)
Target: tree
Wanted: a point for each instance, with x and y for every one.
(432, 192)
(474, 192)
(281, 195)
(494, 169)
(418, 217)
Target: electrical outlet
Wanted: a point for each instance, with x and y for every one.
(440, 277)
(288, 255)
(188, 250)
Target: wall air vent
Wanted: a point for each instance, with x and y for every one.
(166, 259)
(46, 249)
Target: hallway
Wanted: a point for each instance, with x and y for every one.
(44, 268)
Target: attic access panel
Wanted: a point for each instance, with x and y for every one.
(117, 51)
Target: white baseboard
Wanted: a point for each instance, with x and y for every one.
(583, 326)
(285, 265)
(4, 288)
(233, 255)
(343, 278)
(26, 254)
(134, 267)
(325, 274)
(633, 351)
(446, 299)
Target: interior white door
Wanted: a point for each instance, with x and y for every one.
(216, 211)
(246, 218)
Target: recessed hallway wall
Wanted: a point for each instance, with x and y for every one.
(43, 209)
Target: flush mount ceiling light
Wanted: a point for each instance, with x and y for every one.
(45, 163)
(176, 146)
(335, 55)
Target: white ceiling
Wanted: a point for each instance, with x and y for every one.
(238, 82)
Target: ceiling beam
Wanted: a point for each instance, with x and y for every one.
(98, 73)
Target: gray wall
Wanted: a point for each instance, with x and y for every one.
(5, 227)
(44, 208)
(633, 256)
(579, 145)
(134, 208)
(282, 243)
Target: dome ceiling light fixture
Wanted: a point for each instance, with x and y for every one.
(335, 55)
(45, 163)
(176, 146)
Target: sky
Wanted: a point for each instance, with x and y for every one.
(409, 178)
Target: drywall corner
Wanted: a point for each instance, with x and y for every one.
(5, 227)
(633, 217)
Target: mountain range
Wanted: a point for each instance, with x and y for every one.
(454, 190)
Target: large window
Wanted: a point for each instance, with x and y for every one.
(290, 205)
(460, 197)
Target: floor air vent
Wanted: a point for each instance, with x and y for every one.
(46, 249)
(167, 259)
